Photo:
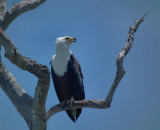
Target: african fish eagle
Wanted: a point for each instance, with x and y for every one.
(67, 75)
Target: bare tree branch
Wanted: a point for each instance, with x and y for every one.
(120, 69)
(17, 9)
(2, 9)
(12, 53)
(39, 117)
(40, 71)
(21, 100)
(32, 110)
(2, 13)
(0, 53)
(102, 104)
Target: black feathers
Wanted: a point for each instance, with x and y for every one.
(70, 85)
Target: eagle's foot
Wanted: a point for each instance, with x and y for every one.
(64, 103)
(70, 102)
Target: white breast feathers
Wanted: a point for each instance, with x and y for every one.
(59, 63)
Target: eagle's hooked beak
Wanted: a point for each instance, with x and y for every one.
(74, 39)
(71, 39)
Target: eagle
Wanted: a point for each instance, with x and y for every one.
(67, 75)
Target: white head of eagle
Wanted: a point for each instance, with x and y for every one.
(67, 75)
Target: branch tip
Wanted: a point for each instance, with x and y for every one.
(145, 14)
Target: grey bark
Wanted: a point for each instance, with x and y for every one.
(18, 9)
(2, 13)
(2, 9)
(33, 109)
(21, 100)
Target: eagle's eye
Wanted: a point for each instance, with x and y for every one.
(67, 38)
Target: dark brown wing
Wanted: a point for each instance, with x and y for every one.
(76, 78)
(71, 84)
(57, 85)
(76, 81)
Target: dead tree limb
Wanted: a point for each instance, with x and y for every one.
(18, 9)
(106, 103)
(31, 109)
(2, 9)
(21, 100)
(2, 13)
(40, 71)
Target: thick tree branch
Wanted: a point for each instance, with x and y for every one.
(2, 9)
(21, 100)
(12, 53)
(40, 71)
(2, 13)
(0, 53)
(18, 9)
(33, 108)
(39, 117)
(102, 104)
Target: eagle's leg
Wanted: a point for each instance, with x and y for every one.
(64, 103)
(70, 102)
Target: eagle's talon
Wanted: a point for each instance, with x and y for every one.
(64, 103)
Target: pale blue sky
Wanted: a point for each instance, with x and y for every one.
(101, 28)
